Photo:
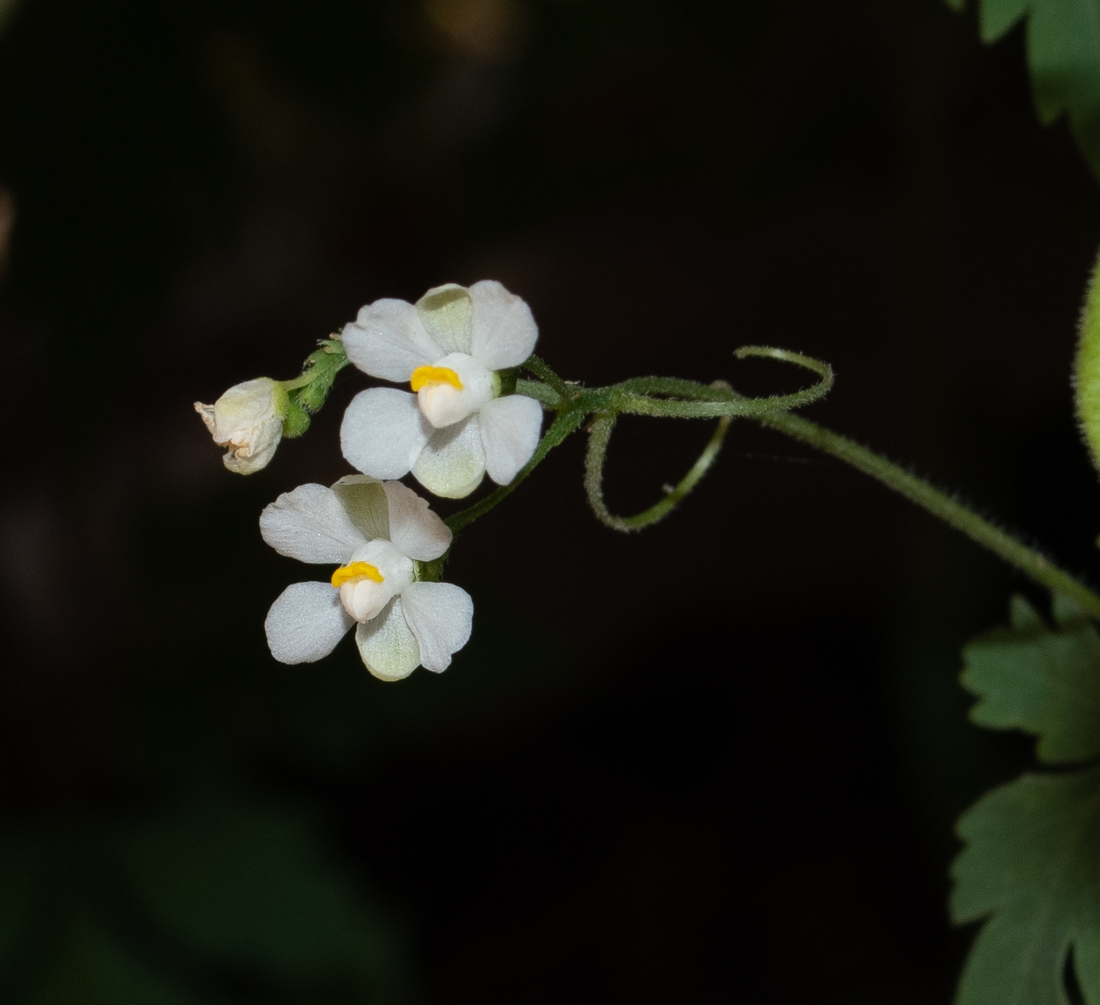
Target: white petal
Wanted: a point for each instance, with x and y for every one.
(453, 463)
(309, 524)
(441, 616)
(387, 645)
(504, 330)
(365, 502)
(305, 623)
(446, 313)
(238, 412)
(510, 429)
(414, 528)
(383, 432)
(388, 340)
(255, 453)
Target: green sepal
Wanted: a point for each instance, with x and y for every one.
(321, 367)
(297, 419)
(429, 572)
(506, 381)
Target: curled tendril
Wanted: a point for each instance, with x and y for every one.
(598, 438)
(656, 396)
(638, 397)
(715, 400)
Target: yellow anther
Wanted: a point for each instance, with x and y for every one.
(422, 376)
(357, 570)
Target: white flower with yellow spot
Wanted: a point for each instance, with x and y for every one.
(248, 419)
(374, 532)
(455, 427)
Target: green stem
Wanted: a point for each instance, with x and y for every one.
(939, 504)
(574, 402)
(686, 399)
(542, 393)
(562, 426)
(548, 376)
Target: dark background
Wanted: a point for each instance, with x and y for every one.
(718, 761)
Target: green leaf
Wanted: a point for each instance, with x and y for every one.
(1045, 681)
(1063, 54)
(19, 875)
(1031, 862)
(96, 969)
(250, 887)
(7, 8)
(999, 16)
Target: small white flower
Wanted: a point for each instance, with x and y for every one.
(248, 419)
(455, 427)
(373, 531)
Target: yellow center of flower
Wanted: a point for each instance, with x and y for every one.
(424, 376)
(357, 570)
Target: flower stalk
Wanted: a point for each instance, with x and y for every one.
(474, 408)
(671, 398)
(952, 512)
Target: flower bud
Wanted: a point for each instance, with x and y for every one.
(248, 419)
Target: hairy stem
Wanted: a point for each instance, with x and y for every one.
(562, 426)
(939, 504)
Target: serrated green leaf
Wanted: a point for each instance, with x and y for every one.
(1063, 54)
(1045, 681)
(999, 16)
(1023, 617)
(1031, 861)
(251, 886)
(96, 969)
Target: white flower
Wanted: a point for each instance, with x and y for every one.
(455, 428)
(248, 419)
(373, 531)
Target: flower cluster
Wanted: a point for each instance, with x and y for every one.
(453, 426)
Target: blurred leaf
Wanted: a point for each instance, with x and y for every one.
(19, 876)
(998, 17)
(1031, 862)
(7, 8)
(250, 890)
(97, 970)
(1045, 681)
(1063, 54)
